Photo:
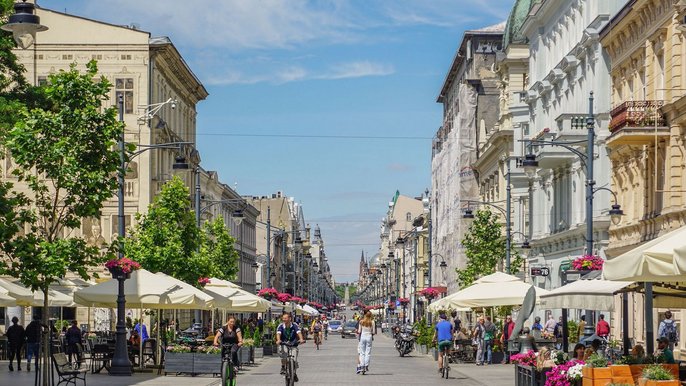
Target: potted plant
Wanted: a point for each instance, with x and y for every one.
(207, 360)
(565, 374)
(621, 371)
(283, 297)
(657, 375)
(257, 338)
(429, 293)
(244, 353)
(122, 268)
(588, 263)
(597, 371)
(203, 281)
(178, 358)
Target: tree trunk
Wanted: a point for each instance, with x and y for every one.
(47, 368)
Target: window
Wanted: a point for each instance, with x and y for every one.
(125, 57)
(124, 86)
(96, 57)
(42, 80)
(408, 216)
(67, 57)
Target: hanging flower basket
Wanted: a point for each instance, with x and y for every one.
(302, 302)
(283, 297)
(297, 300)
(268, 293)
(122, 268)
(429, 293)
(404, 301)
(203, 281)
(588, 263)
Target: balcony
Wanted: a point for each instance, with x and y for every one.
(637, 122)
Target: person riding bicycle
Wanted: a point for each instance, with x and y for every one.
(287, 333)
(444, 335)
(316, 329)
(325, 325)
(230, 334)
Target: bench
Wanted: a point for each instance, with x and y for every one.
(66, 373)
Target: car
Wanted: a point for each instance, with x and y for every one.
(335, 326)
(349, 329)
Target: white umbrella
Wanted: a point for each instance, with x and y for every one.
(497, 289)
(310, 310)
(660, 260)
(241, 300)
(26, 297)
(211, 301)
(143, 290)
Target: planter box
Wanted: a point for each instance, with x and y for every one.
(646, 382)
(498, 357)
(621, 374)
(597, 376)
(434, 354)
(244, 355)
(529, 376)
(207, 363)
(267, 350)
(178, 362)
(259, 352)
(637, 371)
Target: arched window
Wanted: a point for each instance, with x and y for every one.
(408, 216)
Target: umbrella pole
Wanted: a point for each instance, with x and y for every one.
(140, 348)
(159, 342)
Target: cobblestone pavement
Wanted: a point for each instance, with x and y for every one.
(333, 364)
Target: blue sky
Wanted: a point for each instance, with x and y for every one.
(312, 69)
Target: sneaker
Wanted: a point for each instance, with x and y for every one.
(18, 368)
(295, 377)
(359, 369)
(440, 371)
(283, 370)
(28, 368)
(366, 368)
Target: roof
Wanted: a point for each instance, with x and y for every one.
(164, 45)
(493, 30)
(513, 30)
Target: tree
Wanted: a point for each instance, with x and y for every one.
(485, 248)
(167, 239)
(65, 162)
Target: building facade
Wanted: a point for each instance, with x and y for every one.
(470, 109)
(645, 45)
(566, 65)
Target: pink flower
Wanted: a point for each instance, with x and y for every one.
(283, 297)
(125, 264)
(588, 263)
(268, 293)
(203, 281)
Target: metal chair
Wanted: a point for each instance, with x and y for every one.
(149, 351)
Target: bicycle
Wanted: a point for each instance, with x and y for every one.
(292, 364)
(317, 339)
(445, 356)
(228, 370)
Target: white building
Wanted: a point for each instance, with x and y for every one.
(566, 64)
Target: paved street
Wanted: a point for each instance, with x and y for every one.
(334, 364)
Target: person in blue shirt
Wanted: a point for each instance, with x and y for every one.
(288, 333)
(144, 333)
(444, 336)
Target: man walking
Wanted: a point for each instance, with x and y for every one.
(668, 330)
(33, 333)
(602, 328)
(489, 337)
(15, 339)
(478, 335)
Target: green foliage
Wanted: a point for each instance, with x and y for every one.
(167, 239)
(485, 248)
(597, 360)
(426, 333)
(257, 337)
(657, 373)
(65, 156)
(572, 330)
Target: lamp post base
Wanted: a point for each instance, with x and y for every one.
(120, 364)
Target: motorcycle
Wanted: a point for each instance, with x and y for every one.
(404, 340)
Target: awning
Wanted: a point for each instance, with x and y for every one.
(660, 260)
(584, 294)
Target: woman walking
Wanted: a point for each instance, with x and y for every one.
(366, 331)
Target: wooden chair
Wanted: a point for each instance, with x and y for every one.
(65, 372)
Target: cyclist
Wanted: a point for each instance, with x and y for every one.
(443, 334)
(230, 334)
(287, 332)
(316, 329)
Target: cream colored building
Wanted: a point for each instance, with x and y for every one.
(645, 44)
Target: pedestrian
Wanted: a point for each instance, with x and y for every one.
(508, 329)
(478, 336)
(457, 323)
(668, 329)
(143, 330)
(558, 334)
(15, 340)
(73, 340)
(33, 334)
(550, 325)
(602, 328)
(366, 330)
(581, 327)
(489, 338)
(260, 324)
(537, 324)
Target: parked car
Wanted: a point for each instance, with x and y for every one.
(349, 329)
(335, 326)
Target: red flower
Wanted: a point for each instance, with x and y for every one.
(125, 264)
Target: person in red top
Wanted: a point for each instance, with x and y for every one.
(508, 328)
(602, 329)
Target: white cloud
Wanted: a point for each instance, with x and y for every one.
(358, 70)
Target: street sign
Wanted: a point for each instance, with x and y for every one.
(539, 271)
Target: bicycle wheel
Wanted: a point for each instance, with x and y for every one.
(225, 373)
(446, 368)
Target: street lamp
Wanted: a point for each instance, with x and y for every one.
(24, 24)
(530, 165)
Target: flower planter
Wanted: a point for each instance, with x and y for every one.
(636, 372)
(621, 374)
(648, 382)
(244, 355)
(118, 273)
(207, 363)
(497, 357)
(597, 376)
(267, 350)
(529, 376)
(259, 352)
(175, 362)
(434, 354)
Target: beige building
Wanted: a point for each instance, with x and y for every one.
(645, 44)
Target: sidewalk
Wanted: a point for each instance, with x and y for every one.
(489, 375)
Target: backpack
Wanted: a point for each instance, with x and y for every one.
(670, 331)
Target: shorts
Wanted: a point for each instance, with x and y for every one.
(444, 345)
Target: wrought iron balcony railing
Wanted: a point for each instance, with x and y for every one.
(637, 114)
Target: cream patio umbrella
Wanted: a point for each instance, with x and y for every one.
(241, 300)
(311, 310)
(144, 290)
(584, 294)
(497, 289)
(26, 297)
(660, 260)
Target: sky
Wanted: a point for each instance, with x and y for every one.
(330, 102)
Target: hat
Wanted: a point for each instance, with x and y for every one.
(663, 339)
